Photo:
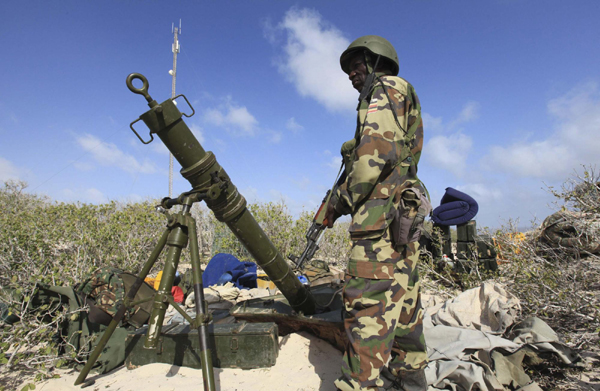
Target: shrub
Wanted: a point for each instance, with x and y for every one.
(59, 243)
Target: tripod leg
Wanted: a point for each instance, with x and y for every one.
(203, 333)
(121, 312)
(175, 243)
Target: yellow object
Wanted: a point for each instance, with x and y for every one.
(263, 282)
(516, 238)
(157, 280)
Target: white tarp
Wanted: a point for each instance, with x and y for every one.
(488, 308)
(466, 351)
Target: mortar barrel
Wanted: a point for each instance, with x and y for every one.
(201, 169)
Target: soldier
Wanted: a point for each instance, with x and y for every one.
(383, 314)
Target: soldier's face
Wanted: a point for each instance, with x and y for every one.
(358, 72)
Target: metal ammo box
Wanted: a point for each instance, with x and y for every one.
(234, 345)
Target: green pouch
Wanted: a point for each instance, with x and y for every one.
(81, 334)
(412, 210)
(141, 312)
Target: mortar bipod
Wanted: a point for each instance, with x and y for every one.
(181, 227)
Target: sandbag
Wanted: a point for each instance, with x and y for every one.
(217, 297)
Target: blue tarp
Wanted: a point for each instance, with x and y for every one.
(242, 274)
(455, 208)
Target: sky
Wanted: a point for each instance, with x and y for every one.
(509, 92)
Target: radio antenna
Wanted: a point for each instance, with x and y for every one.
(175, 48)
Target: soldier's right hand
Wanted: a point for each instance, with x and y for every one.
(330, 216)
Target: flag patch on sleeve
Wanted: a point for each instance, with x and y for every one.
(372, 106)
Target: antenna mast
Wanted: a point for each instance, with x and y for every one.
(175, 48)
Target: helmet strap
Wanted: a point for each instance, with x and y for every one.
(370, 78)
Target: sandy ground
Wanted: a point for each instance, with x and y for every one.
(305, 362)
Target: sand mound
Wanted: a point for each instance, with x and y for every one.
(305, 362)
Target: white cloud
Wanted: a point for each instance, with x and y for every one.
(198, 133)
(524, 166)
(250, 194)
(275, 137)
(159, 147)
(311, 56)
(483, 193)
(449, 152)
(83, 166)
(539, 159)
(335, 162)
(90, 195)
(278, 196)
(215, 117)
(469, 113)
(575, 140)
(293, 126)
(232, 117)
(133, 198)
(68, 193)
(95, 196)
(109, 154)
(8, 171)
(302, 183)
(219, 144)
(239, 116)
(431, 123)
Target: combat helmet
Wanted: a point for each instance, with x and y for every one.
(375, 45)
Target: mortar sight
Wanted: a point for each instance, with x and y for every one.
(201, 169)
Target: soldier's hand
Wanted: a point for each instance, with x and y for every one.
(330, 216)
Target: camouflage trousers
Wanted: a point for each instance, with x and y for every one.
(383, 313)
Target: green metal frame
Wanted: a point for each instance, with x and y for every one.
(181, 228)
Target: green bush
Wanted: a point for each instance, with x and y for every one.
(59, 243)
(286, 234)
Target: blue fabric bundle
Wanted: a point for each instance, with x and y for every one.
(455, 208)
(225, 267)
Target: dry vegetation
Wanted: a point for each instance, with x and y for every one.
(56, 243)
(559, 284)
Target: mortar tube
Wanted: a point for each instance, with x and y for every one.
(201, 169)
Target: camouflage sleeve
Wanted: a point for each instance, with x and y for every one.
(378, 149)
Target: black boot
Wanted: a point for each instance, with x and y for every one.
(413, 380)
(390, 382)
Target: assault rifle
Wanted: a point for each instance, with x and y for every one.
(317, 228)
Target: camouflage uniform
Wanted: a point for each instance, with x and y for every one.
(383, 313)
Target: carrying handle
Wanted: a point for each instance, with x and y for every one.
(138, 136)
(189, 104)
(141, 91)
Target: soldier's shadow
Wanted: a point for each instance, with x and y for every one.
(326, 359)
